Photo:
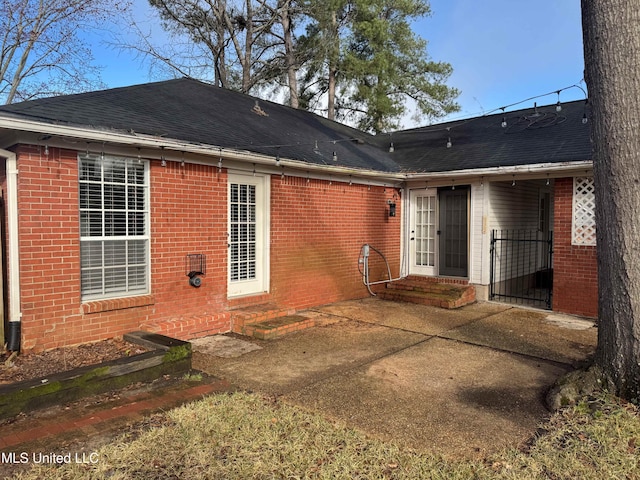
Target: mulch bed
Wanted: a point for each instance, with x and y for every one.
(35, 365)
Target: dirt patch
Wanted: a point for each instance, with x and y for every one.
(35, 365)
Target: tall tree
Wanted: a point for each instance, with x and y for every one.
(325, 30)
(359, 58)
(234, 39)
(387, 63)
(287, 58)
(612, 61)
(372, 63)
(41, 52)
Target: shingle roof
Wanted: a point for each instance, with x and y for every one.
(532, 136)
(192, 111)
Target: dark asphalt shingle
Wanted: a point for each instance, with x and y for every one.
(192, 111)
(532, 136)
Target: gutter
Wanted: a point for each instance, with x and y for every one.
(147, 141)
(534, 170)
(375, 176)
(15, 314)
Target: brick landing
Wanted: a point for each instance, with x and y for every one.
(443, 293)
(267, 321)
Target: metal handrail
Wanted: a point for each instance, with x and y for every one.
(363, 267)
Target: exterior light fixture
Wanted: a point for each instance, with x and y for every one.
(392, 208)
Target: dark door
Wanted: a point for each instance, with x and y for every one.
(454, 231)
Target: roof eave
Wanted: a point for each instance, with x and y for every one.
(117, 137)
(552, 169)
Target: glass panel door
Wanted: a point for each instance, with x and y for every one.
(423, 235)
(247, 230)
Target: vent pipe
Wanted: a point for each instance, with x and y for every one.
(15, 314)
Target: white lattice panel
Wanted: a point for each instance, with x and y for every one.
(583, 224)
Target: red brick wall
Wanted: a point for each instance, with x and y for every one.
(185, 218)
(189, 216)
(49, 249)
(317, 230)
(575, 278)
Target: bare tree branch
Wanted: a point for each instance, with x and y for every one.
(40, 50)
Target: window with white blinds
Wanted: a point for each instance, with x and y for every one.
(114, 226)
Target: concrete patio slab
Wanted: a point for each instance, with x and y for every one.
(449, 398)
(415, 318)
(462, 383)
(530, 333)
(305, 357)
(223, 346)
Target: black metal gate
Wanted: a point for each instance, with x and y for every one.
(521, 267)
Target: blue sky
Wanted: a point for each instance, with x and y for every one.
(502, 51)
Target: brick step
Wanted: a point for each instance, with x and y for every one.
(256, 314)
(443, 295)
(187, 328)
(277, 327)
(425, 287)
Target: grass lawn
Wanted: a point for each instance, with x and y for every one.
(242, 436)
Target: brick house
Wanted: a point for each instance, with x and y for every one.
(173, 206)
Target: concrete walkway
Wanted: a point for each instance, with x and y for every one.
(462, 383)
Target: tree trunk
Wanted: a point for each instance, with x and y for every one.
(245, 61)
(290, 55)
(333, 70)
(612, 60)
(220, 59)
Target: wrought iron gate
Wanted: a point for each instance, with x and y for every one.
(522, 267)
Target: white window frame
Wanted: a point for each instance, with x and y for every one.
(128, 288)
(583, 215)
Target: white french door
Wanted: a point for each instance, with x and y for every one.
(248, 261)
(423, 241)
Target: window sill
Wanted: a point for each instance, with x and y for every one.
(107, 305)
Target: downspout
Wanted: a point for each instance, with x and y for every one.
(13, 334)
